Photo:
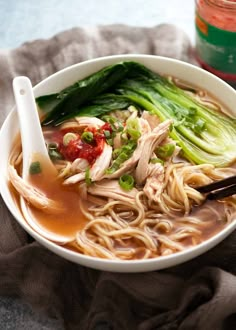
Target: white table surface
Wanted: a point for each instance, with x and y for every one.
(26, 20)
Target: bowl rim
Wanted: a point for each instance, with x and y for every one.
(156, 263)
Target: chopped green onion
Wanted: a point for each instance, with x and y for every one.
(133, 128)
(119, 126)
(116, 153)
(116, 125)
(165, 151)
(87, 137)
(35, 168)
(107, 134)
(68, 137)
(54, 155)
(53, 152)
(88, 180)
(122, 154)
(156, 160)
(126, 182)
(109, 141)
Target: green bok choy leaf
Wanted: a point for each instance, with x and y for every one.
(205, 135)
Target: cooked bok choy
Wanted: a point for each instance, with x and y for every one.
(205, 135)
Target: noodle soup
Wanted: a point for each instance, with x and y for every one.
(127, 178)
(125, 194)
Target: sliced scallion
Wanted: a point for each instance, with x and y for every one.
(110, 142)
(116, 125)
(87, 137)
(68, 137)
(53, 152)
(133, 128)
(107, 134)
(121, 155)
(88, 179)
(126, 181)
(165, 151)
(35, 168)
(156, 160)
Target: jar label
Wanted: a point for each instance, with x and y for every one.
(215, 47)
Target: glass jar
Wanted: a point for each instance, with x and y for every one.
(215, 23)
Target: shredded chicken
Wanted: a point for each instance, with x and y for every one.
(101, 164)
(75, 178)
(152, 120)
(150, 143)
(154, 182)
(145, 127)
(111, 189)
(89, 121)
(79, 165)
(117, 141)
(146, 141)
(33, 195)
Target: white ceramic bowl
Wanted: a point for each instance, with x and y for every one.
(186, 72)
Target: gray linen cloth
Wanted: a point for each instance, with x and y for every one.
(200, 294)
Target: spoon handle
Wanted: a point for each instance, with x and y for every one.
(31, 132)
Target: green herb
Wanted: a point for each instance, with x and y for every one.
(109, 137)
(126, 182)
(53, 152)
(88, 179)
(165, 151)
(68, 137)
(122, 154)
(110, 142)
(116, 153)
(87, 137)
(107, 134)
(116, 125)
(156, 160)
(35, 168)
(133, 128)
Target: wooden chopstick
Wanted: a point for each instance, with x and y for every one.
(220, 189)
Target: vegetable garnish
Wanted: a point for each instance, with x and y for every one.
(87, 137)
(133, 128)
(89, 145)
(107, 134)
(156, 160)
(126, 182)
(68, 137)
(121, 155)
(88, 180)
(165, 151)
(35, 168)
(53, 152)
(116, 125)
(204, 135)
